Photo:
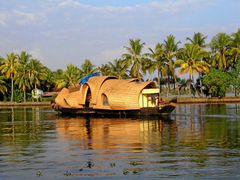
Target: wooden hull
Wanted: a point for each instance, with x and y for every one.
(163, 109)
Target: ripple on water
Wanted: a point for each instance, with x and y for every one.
(201, 142)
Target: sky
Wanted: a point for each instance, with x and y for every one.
(62, 32)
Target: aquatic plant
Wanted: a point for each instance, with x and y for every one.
(38, 173)
(135, 163)
(112, 164)
(125, 171)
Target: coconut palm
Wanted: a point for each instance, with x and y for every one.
(235, 47)
(1, 60)
(57, 76)
(37, 73)
(8, 68)
(118, 69)
(3, 85)
(134, 57)
(24, 58)
(22, 79)
(198, 39)
(189, 60)
(170, 47)
(48, 82)
(69, 78)
(105, 70)
(158, 62)
(220, 46)
(88, 68)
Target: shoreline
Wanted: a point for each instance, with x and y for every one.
(180, 100)
(203, 100)
(6, 104)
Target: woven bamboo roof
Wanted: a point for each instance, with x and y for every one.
(122, 94)
(60, 99)
(95, 84)
(73, 99)
(119, 94)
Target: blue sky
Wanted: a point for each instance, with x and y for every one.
(60, 32)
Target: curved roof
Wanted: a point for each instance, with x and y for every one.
(121, 94)
(95, 83)
(60, 99)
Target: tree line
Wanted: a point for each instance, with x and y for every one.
(216, 64)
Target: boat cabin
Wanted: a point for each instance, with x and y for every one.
(110, 93)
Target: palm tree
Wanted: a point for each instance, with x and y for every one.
(37, 72)
(158, 62)
(190, 61)
(22, 77)
(88, 68)
(48, 82)
(1, 60)
(69, 78)
(134, 57)
(220, 47)
(105, 70)
(198, 39)
(235, 47)
(170, 47)
(57, 77)
(118, 69)
(3, 86)
(8, 68)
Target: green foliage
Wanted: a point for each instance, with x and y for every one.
(220, 46)
(216, 82)
(198, 39)
(68, 78)
(235, 78)
(134, 58)
(17, 96)
(8, 68)
(87, 68)
(158, 62)
(37, 72)
(22, 79)
(190, 60)
(3, 85)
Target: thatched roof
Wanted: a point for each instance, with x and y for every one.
(60, 99)
(117, 94)
(122, 94)
(95, 84)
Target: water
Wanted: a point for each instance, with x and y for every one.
(196, 141)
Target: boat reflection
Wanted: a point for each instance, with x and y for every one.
(113, 133)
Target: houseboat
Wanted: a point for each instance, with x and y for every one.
(105, 95)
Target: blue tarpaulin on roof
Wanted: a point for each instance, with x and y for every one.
(85, 78)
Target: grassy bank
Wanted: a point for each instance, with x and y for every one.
(189, 100)
(4, 104)
(180, 100)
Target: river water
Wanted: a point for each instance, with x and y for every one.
(195, 141)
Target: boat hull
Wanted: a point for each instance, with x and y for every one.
(153, 111)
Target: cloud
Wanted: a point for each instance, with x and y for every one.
(3, 19)
(71, 3)
(24, 18)
(163, 6)
(174, 6)
(108, 8)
